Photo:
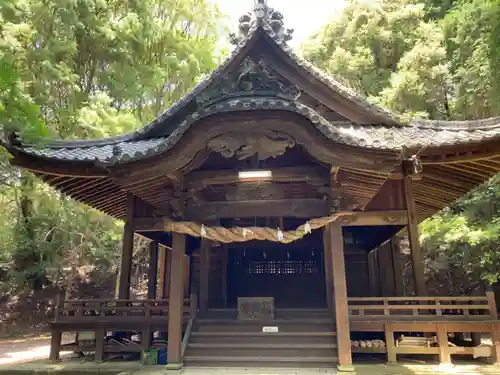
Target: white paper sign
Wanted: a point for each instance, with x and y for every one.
(270, 329)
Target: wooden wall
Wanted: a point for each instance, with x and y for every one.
(356, 268)
(384, 270)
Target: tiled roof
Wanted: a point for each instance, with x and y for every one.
(377, 137)
(390, 134)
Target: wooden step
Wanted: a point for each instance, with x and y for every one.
(235, 339)
(298, 343)
(262, 334)
(282, 327)
(263, 345)
(261, 352)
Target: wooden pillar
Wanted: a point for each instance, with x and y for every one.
(187, 269)
(340, 297)
(373, 273)
(225, 257)
(386, 270)
(127, 250)
(164, 270)
(390, 344)
(152, 269)
(413, 235)
(328, 269)
(204, 287)
(398, 276)
(55, 345)
(444, 351)
(176, 301)
(161, 271)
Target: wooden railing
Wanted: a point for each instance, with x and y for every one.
(100, 315)
(81, 308)
(423, 308)
(193, 310)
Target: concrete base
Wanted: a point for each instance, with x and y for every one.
(174, 367)
(345, 368)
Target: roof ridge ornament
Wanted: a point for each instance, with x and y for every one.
(251, 79)
(264, 16)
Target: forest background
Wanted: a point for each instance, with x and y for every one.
(94, 68)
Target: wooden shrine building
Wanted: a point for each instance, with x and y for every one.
(275, 194)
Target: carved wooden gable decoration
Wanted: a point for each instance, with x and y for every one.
(251, 79)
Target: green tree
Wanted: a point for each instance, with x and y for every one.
(389, 52)
(436, 60)
(86, 69)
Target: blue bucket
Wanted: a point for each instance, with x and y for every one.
(162, 357)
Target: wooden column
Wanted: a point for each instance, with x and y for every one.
(164, 270)
(176, 301)
(413, 235)
(204, 287)
(373, 273)
(225, 257)
(187, 271)
(127, 249)
(152, 269)
(398, 276)
(386, 270)
(161, 271)
(340, 297)
(328, 269)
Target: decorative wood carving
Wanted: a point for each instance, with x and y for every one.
(391, 219)
(251, 79)
(256, 308)
(265, 144)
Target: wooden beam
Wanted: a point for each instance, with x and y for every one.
(152, 269)
(368, 218)
(413, 235)
(149, 224)
(302, 208)
(312, 175)
(176, 301)
(127, 250)
(340, 296)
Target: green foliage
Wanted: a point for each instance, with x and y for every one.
(85, 69)
(429, 59)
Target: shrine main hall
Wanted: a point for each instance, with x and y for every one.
(274, 198)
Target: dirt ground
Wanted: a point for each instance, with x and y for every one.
(14, 351)
(36, 350)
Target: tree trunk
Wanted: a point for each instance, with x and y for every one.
(27, 257)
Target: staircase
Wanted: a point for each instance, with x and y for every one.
(306, 338)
